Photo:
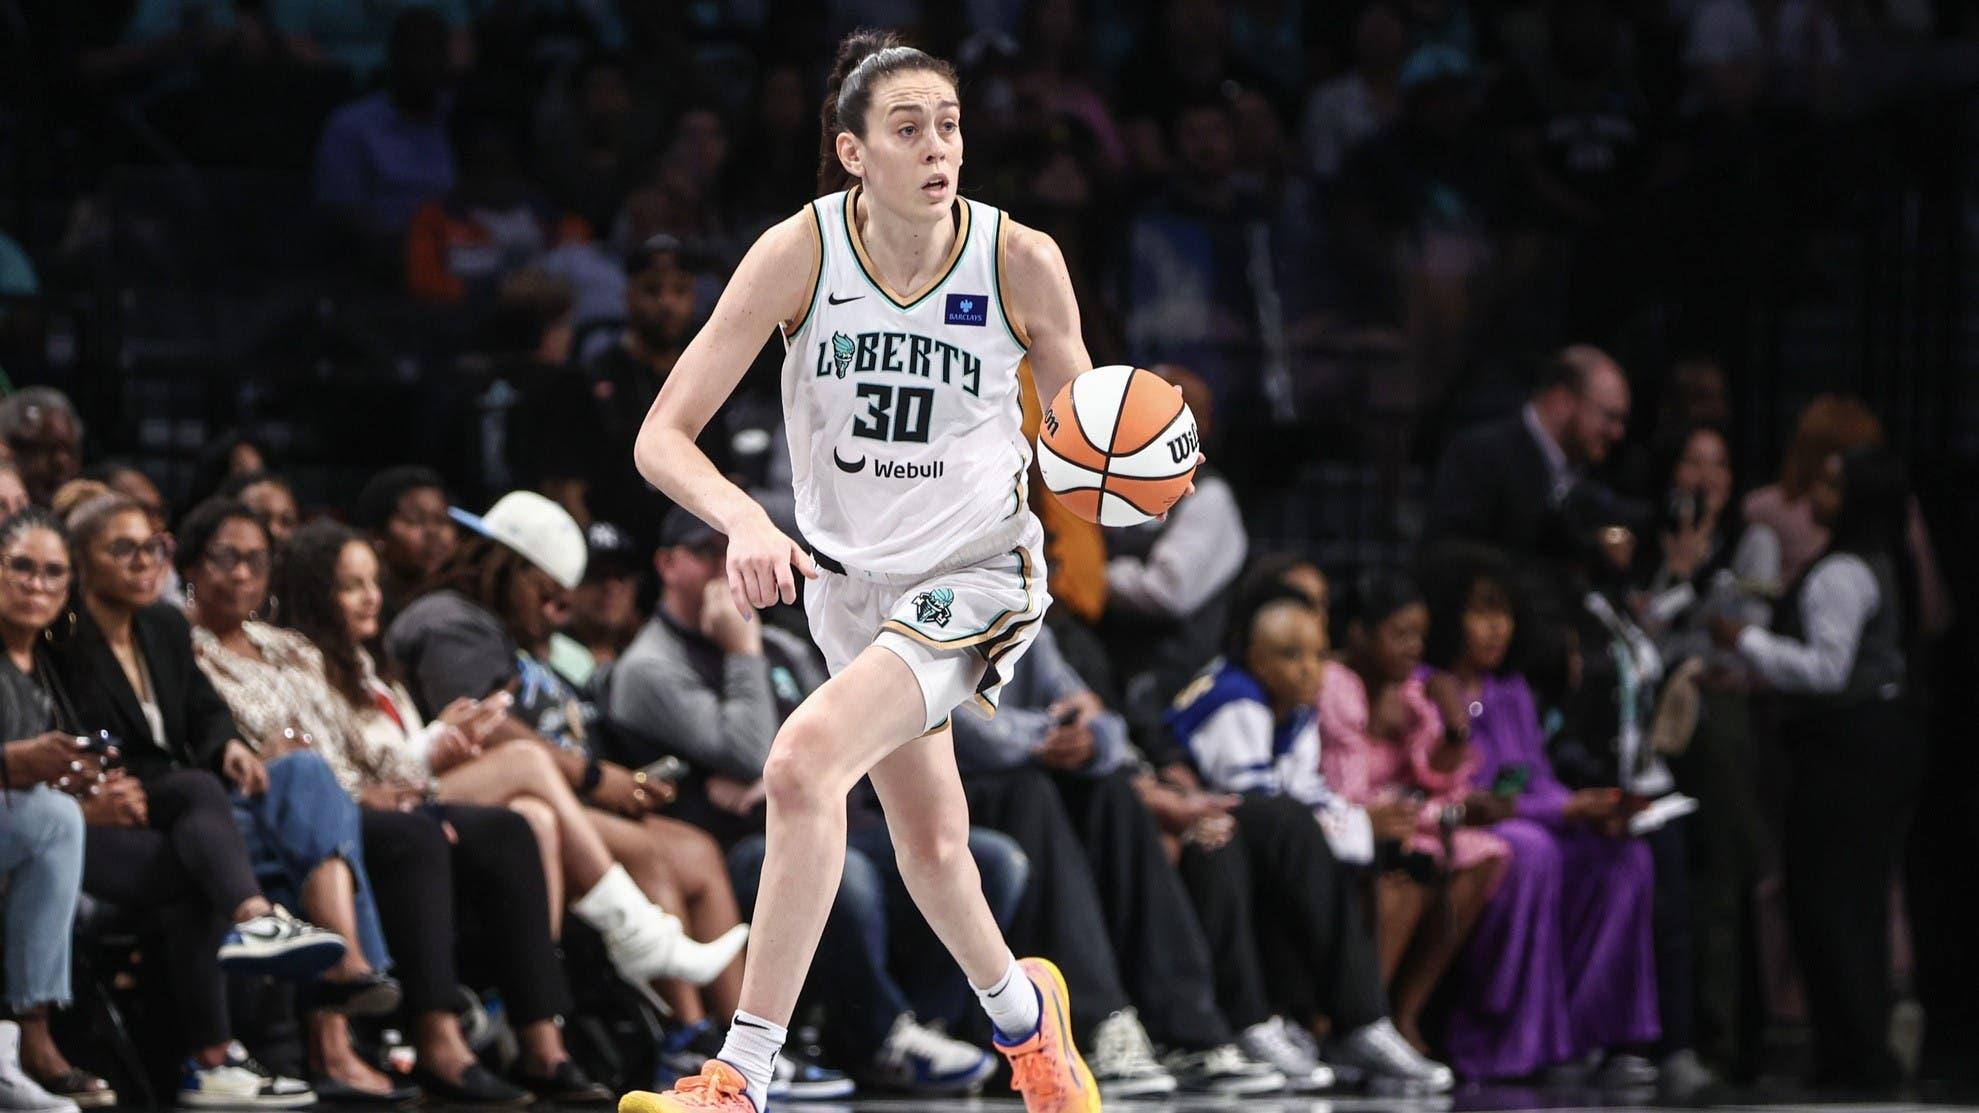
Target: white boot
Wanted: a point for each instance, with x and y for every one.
(18, 1092)
(645, 943)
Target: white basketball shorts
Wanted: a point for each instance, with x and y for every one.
(961, 627)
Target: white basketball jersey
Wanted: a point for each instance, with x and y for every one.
(906, 433)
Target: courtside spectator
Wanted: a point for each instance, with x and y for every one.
(431, 862)
(1590, 886)
(473, 636)
(1607, 739)
(164, 839)
(1386, 751)
(403, 511)
(1276, 890)
(315, 838)
(44, 768)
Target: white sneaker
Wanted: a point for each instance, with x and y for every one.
(1390, 1062)
(241, 1083)
(1223, 1070)
(275, 944)
(18, 1092)
(917, 1059)
(1273, 1043)
(1122, 1060)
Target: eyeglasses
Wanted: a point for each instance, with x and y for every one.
(226, 558)
(159, 547)
(23, 571)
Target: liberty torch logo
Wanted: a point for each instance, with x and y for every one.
(933, 606)
(843, 348)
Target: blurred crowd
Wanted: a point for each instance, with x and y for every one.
(446, 777)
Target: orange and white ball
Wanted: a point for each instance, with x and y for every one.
(1118, 446)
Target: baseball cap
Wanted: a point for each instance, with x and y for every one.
(611, 551)
(543, 532)
(681, 527)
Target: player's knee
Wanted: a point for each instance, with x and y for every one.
(798, 777)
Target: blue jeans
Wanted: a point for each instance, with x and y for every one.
(879, 957)
(303, 820)
(41, 836)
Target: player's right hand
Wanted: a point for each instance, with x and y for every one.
(760, 563)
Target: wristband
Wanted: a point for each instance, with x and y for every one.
(594, 772)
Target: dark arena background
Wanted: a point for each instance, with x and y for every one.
(1593, 385)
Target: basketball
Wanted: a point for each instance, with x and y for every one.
(1118, 446)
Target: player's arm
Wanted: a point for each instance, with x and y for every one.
(770, 286)
(1037, 297)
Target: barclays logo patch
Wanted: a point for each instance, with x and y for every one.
(967, 309)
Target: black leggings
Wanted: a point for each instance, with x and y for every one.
(500, 894)
(189, 870)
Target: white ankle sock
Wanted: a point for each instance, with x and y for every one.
(1012, 1004)
(751, 1047)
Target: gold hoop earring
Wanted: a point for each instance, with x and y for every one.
(48, 634)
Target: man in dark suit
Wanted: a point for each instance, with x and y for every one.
(1519, 483)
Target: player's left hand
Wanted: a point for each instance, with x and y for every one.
(1185, 494)
(760, 562)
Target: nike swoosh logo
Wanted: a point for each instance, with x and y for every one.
(836, 300)
(848, 468)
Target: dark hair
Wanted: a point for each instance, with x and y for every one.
(379, 499)
(239, 482)
(1451, 575)
(1374, 595)
(307, 586)
(482, 570)
(1875, 504)
(1238, 647)
(202, 523)
(865, 57)
(30, 518)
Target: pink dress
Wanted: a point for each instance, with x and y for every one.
(1364, 769)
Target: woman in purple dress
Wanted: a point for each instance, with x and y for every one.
(1583, 880)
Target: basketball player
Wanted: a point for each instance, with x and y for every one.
(904, 311)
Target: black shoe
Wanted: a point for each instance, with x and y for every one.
(567, 1084)
(374, 994)
(477, 1086)
(331, 1092)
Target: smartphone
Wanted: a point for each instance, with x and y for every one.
(106, 746)
(668, 769)
(1067, 717)
(1511, 780)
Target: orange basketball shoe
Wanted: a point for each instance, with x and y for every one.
(719, 1088)
(1046, 1068)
